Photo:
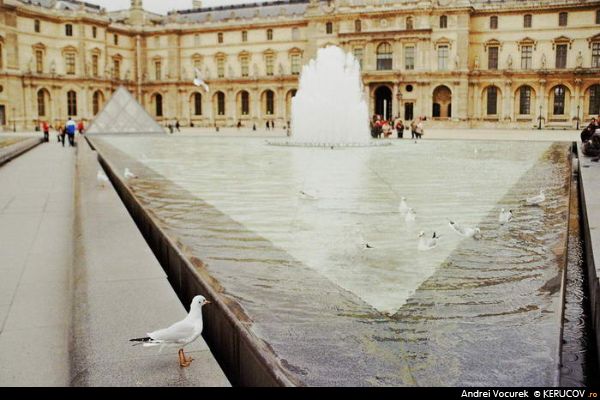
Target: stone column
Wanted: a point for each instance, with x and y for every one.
(508, 112)
(280, 105)
(542, 103)
(230, 106)
(478, 103)
(395, 100)
(577, 99)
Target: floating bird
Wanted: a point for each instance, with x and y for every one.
(363, 242)
(128, 174)
(427, 243)
(180, 333)
(535, 200)
(101, 177)
(198, 81)
(465, 231)
(410, 215)
(505, 216)
(307, 195)
(403, 207)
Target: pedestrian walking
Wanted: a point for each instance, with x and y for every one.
(399, 125)
(177, 126)
(70, 130)
(46, 129)
(80, 127)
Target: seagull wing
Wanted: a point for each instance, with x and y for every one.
(178, 332)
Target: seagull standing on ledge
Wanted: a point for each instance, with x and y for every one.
(427, 244)
(128, 174)
(465, 231)
(505, 216)
(536, 200)
(198, 81)
(101, 177)
(180, 333)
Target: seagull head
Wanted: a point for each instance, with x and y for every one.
(199, 301)
(421, 234)
(477, 231)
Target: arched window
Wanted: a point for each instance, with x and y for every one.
(245, 103)
(594, 100)
(269, 34)
(384, 57)
(492, 100)
(197, 104)
(71, 102)
(409, 23)
(220, 103)
(527, 21)
(158, 104)
(329, 28)
(269, 102)
(96, 102)
(41, 103)
(525, 100)
(357, 25)
(558, 105)
(443, 21)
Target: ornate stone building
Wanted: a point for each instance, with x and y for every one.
(460, 62)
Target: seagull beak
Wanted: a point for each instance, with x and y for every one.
(207, 302)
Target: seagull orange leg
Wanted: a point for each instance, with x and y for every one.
(187, 361)
(181, 359)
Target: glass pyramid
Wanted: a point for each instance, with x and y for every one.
(123, 114)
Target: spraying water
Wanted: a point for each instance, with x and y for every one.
(330, 108)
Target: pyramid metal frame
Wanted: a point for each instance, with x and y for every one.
(123, 114)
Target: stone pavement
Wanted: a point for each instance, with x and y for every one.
(36, 232)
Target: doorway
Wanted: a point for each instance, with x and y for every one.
(2, 115)
(383, 102)
(408, 111)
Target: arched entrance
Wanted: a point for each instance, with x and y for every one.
(383, 102)
(442, 102)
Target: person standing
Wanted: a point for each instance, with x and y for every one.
(70, 128)
(80, 127)
(46, 129)
(413, 128)
(61, 134)
(420, 127)
(177, 126)
(399, 125)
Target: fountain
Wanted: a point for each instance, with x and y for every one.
(329, 108)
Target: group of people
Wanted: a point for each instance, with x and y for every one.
(67, 130)
(590, 137)
(381, 126)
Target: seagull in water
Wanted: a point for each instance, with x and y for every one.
(465, 231)
(403, 207)
(128, 174)
(198, 81)
(101, 177)
(427, 243)
(410, 216)
(536, 200)
(505, 216)
(306, 195)
(180, 333)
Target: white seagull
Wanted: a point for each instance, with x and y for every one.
(410, 216)
(403, 207)
(308, 195)
(180, 333)
(198, 81)
(535, 200)
(427, 243)
(465, 231)
(101, 177)
(505, 216)
(128, 174)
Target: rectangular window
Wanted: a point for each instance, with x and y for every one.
(525, 101)
(526, 57)
(492, 58)
(561, 56)
(596, 55)
(220, 37)
(295, 64)
(244, 36)
(494, 22)
(358, 54)
(220, 67)
(492, 100)
(69, 30)
(36, 25)
(562, 19)
(117, 69)
(245, 67)
(116, 39)
(39, 61)
(269, 61)
(157, 70)
(409, 57)
(598, 16)
(70, 63)
(442, 58)
(527, 21)
(95, 65)
(196, 40)
(94, 32)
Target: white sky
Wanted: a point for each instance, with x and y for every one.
(162, 6)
